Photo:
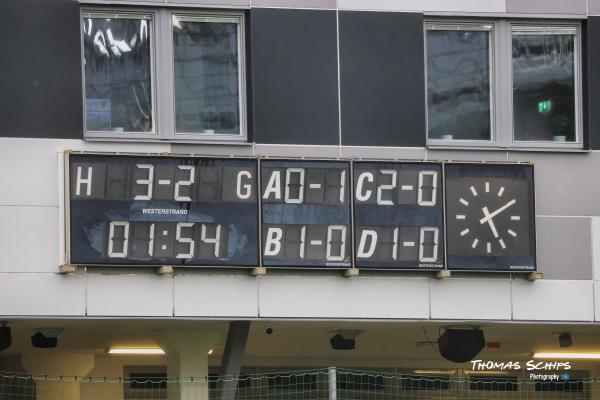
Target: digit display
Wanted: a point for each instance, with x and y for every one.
(490, 214)
(398, 215)
(140, 210)
(306, 213)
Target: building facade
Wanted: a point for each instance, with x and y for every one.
(494, 82)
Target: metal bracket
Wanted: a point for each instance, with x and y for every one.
(534, 276)
(258, 271)
(351, 272)
(67, 269)
(165, 270)
(443, 274)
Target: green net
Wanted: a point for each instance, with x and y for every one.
(331, 383)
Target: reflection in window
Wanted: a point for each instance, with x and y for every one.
(543, 87)
(117, 62)
(458, 84)
(206, 76)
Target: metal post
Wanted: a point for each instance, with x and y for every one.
(332, 383)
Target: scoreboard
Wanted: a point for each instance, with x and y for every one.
(398, 212)
(306, 213)
(162, 210)
(143, 210)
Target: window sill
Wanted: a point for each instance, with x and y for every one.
(240, 142)
(510, 149)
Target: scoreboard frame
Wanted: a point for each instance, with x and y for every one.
(65, 245)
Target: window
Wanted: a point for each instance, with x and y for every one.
(164, 75)
(503, 84)
(118, 74)
(543, 69)
(458, 82)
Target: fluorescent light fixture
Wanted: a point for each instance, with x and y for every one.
(486, 373)
(136, 350)
(211, 351)
(433, 372)
(572, 356)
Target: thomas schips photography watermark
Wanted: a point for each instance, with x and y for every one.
(537, 370)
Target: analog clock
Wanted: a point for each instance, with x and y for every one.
(490, 217)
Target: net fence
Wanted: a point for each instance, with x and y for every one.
(331, 383)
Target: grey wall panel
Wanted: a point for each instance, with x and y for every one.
(326, 4)
(210, 2)
(294, 63)
(592, 54)
(382, 80)
(547, 6)
(565, 183)
(594, 6)
(546, 300)
(449, 302)
(564, 248)
(466, 6)
(40, 69)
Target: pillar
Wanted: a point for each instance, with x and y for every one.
(187, 357)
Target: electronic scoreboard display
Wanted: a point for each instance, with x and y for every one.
(146, 210)
(398, 215)
(128, 210)
(306, 218)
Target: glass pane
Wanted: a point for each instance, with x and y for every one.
(458, 84)
(118, 89)
(543, 88)
(206, 77)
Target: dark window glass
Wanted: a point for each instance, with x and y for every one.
(117, 62)
(543, 87)
(458, 84)
(206, 76)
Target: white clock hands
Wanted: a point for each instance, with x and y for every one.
(488, 217)
(490, 221)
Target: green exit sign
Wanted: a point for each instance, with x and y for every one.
(544, 106)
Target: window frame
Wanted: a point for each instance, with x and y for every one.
(470, 26)
(553, 28)
(152, 29)
(501, 95)
(163, 78)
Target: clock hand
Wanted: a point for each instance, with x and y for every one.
(490, 221)
(498, 211)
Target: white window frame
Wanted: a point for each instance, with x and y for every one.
(163, 78)
(501, 97)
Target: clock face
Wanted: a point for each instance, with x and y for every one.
(490, 217)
